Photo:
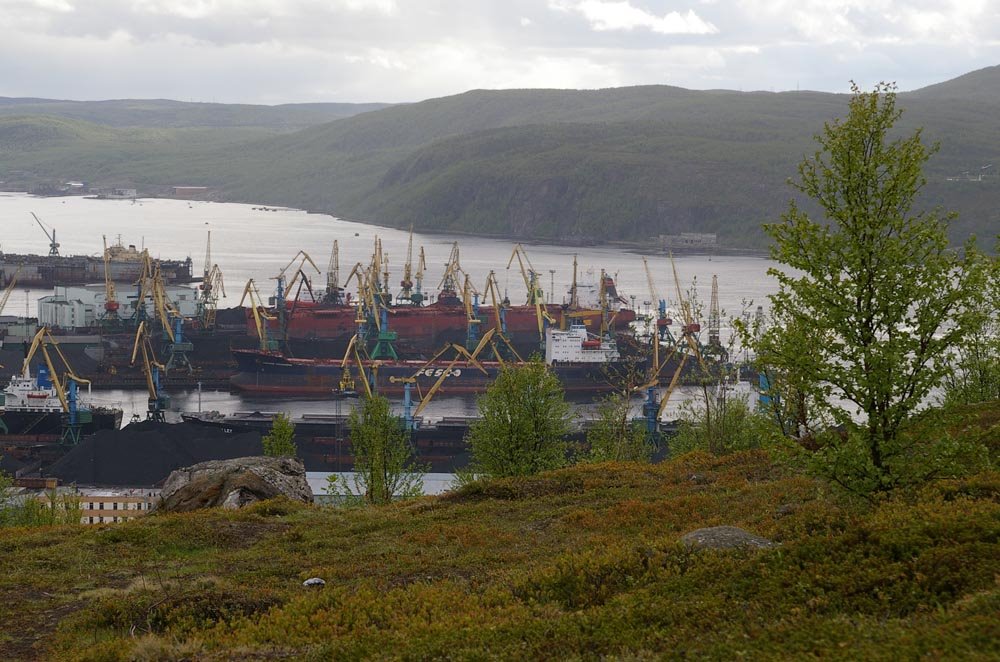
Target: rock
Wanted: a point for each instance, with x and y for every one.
(785, 510)
(699, 479)
(314, 581)
(234, 483)
(724, 537)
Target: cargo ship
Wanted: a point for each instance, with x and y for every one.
(124, 265)
(584, 364)
(31, 406)
(319, 330)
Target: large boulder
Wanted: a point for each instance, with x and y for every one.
(234, 483)
(724, 537)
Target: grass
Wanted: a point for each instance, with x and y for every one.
(579, 563)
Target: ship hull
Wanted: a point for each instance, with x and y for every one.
(272, 374)
(51, 423)
(316, 331)
(56, 270)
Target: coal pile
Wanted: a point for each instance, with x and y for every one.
(145, 453)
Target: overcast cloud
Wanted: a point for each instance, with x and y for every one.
(283, 51)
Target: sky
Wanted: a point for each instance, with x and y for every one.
(290, 51)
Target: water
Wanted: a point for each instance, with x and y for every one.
(252, 243)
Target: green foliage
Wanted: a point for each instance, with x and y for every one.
(28, 510)
(280, 441)
(615, 436)
(384, 464)
(523, 424)
(872, 299)
(721, 423)
(974, 374)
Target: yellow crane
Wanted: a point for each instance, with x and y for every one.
(406, 284)
(10, 288)
(65, 384)
(536, 297)
(111, 304)
(211, 289)
(259, 312)
(417, 298)
(151, 367)
(333, 292)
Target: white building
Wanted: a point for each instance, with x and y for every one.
(80, 306)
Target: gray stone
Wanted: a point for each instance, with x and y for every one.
(234, 483)
(724, 537)
(314, 581)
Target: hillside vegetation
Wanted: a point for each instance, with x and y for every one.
(582, 563)
(625, 163)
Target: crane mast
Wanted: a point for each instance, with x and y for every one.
(714, 317)
(333, 292)
(406, 284)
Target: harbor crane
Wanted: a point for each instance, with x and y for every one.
(66, 386)
(334, 294)
(157, 402)
(111, 304)
(536, 297)
(211, 289)
(51, 234)
(714, 316)
(406, 284)
(663, 322)
(260, 315)
(9, 289)
(417, 298)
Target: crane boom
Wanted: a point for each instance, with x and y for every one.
(53, 245)
(9, 289)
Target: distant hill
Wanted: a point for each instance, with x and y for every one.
(163, 113)
(624, 163)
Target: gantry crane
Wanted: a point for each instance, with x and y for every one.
(157, 401)
(64, 385)
(51, 234)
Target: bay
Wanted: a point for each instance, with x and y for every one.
(250, 241)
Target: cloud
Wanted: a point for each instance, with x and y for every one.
(621, 15)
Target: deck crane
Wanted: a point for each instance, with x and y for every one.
(51, 234)
(662, 321)
(260, 315)
(65, 386)
(334, 294)
(406, 284)
(111, 304)
(157, 401)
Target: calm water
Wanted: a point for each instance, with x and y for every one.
(251, 243)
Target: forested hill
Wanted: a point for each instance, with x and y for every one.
(164, 113)
(625, 163)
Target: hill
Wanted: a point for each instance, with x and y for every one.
(580, 563)
(625, 163)
(164, 113)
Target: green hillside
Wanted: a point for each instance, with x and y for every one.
(164, 113)
(625, 163)
(582, 563)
